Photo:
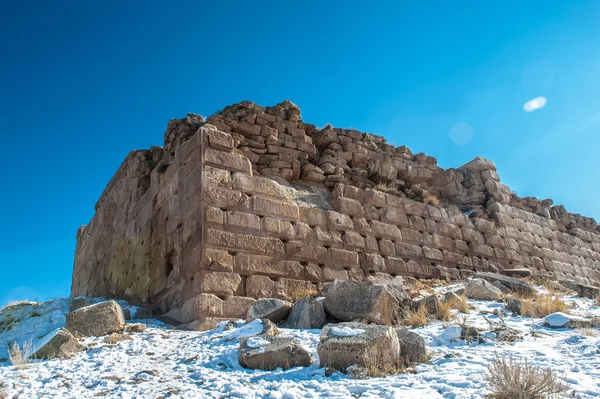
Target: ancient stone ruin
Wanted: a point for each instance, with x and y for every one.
(255, 203)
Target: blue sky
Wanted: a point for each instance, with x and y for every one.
(83, 83)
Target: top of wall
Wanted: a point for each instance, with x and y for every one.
(280, 145)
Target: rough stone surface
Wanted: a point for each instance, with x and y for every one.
(431, 303)
(62, 345)
(374, 346)
(307, 312)
(512, 283)
(482, 290)
(514, 305)
(96, 320)
(350, 300)
(78, 303)
(269, 308)
(271, 352)
(412, 346)
(254, 202)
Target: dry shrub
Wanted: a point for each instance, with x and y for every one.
(433, 200)
(461, 304)
(302, 293)
(542, 306)
(20, 355)
(112, 339)
(3, 394)
(417, 318)
(509, 379)
(444, 311)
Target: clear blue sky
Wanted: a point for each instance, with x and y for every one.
(82, 83)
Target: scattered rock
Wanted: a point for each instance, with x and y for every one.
(96, 320)
(470, 334)
(307, 312)
(59, 344)
(450, 334)
(431, 304)
(482, 290)
(499, 313)
(78, 303)
(135, 328)
(269, 308)
(412, 346)
(113, 338)
(271, 352)
(514, 305)
(346, 344)
(451, 296)
(520, 272)
(501, 287)
(563, 320)
(349, 300)
(514, 284)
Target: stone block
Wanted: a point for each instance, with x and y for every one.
(219, 140)
(353, 241)
(268, 206)
(338, 221)
(343, 257)
(218, 283)
(258, 185)
(380, 229)
(313, 216)
(243, 220)
(404, 249)
(227, 160)
(251, 243)
(348, 206)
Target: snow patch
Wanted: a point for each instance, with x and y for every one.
(257, 342)
(346, 331)
(450, 334)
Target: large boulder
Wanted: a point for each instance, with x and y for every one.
(431, 303)
(412, 346)
(307, 312)
(350, 300)
(514, 284)
(270, 352)
(59, 344)
(365, 345)
(563, 320)
(78, 303)
(482, 290)
(514, 305)
(96, 320)
(269, 308)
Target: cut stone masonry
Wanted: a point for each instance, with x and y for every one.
(256, 203)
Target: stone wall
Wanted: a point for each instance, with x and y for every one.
(256, 203)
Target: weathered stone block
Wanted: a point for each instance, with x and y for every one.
(227, 160)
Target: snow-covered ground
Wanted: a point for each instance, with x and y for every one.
(163, 362)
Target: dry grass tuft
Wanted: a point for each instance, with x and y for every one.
(112, 339)
(20, 355)
(432, 200)
(3, 394)
(461, 304)
(302, 293)
(542, 306)
(386, 371)
(17, 304)
(444, 311)
(509, 379)
(418, 318)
